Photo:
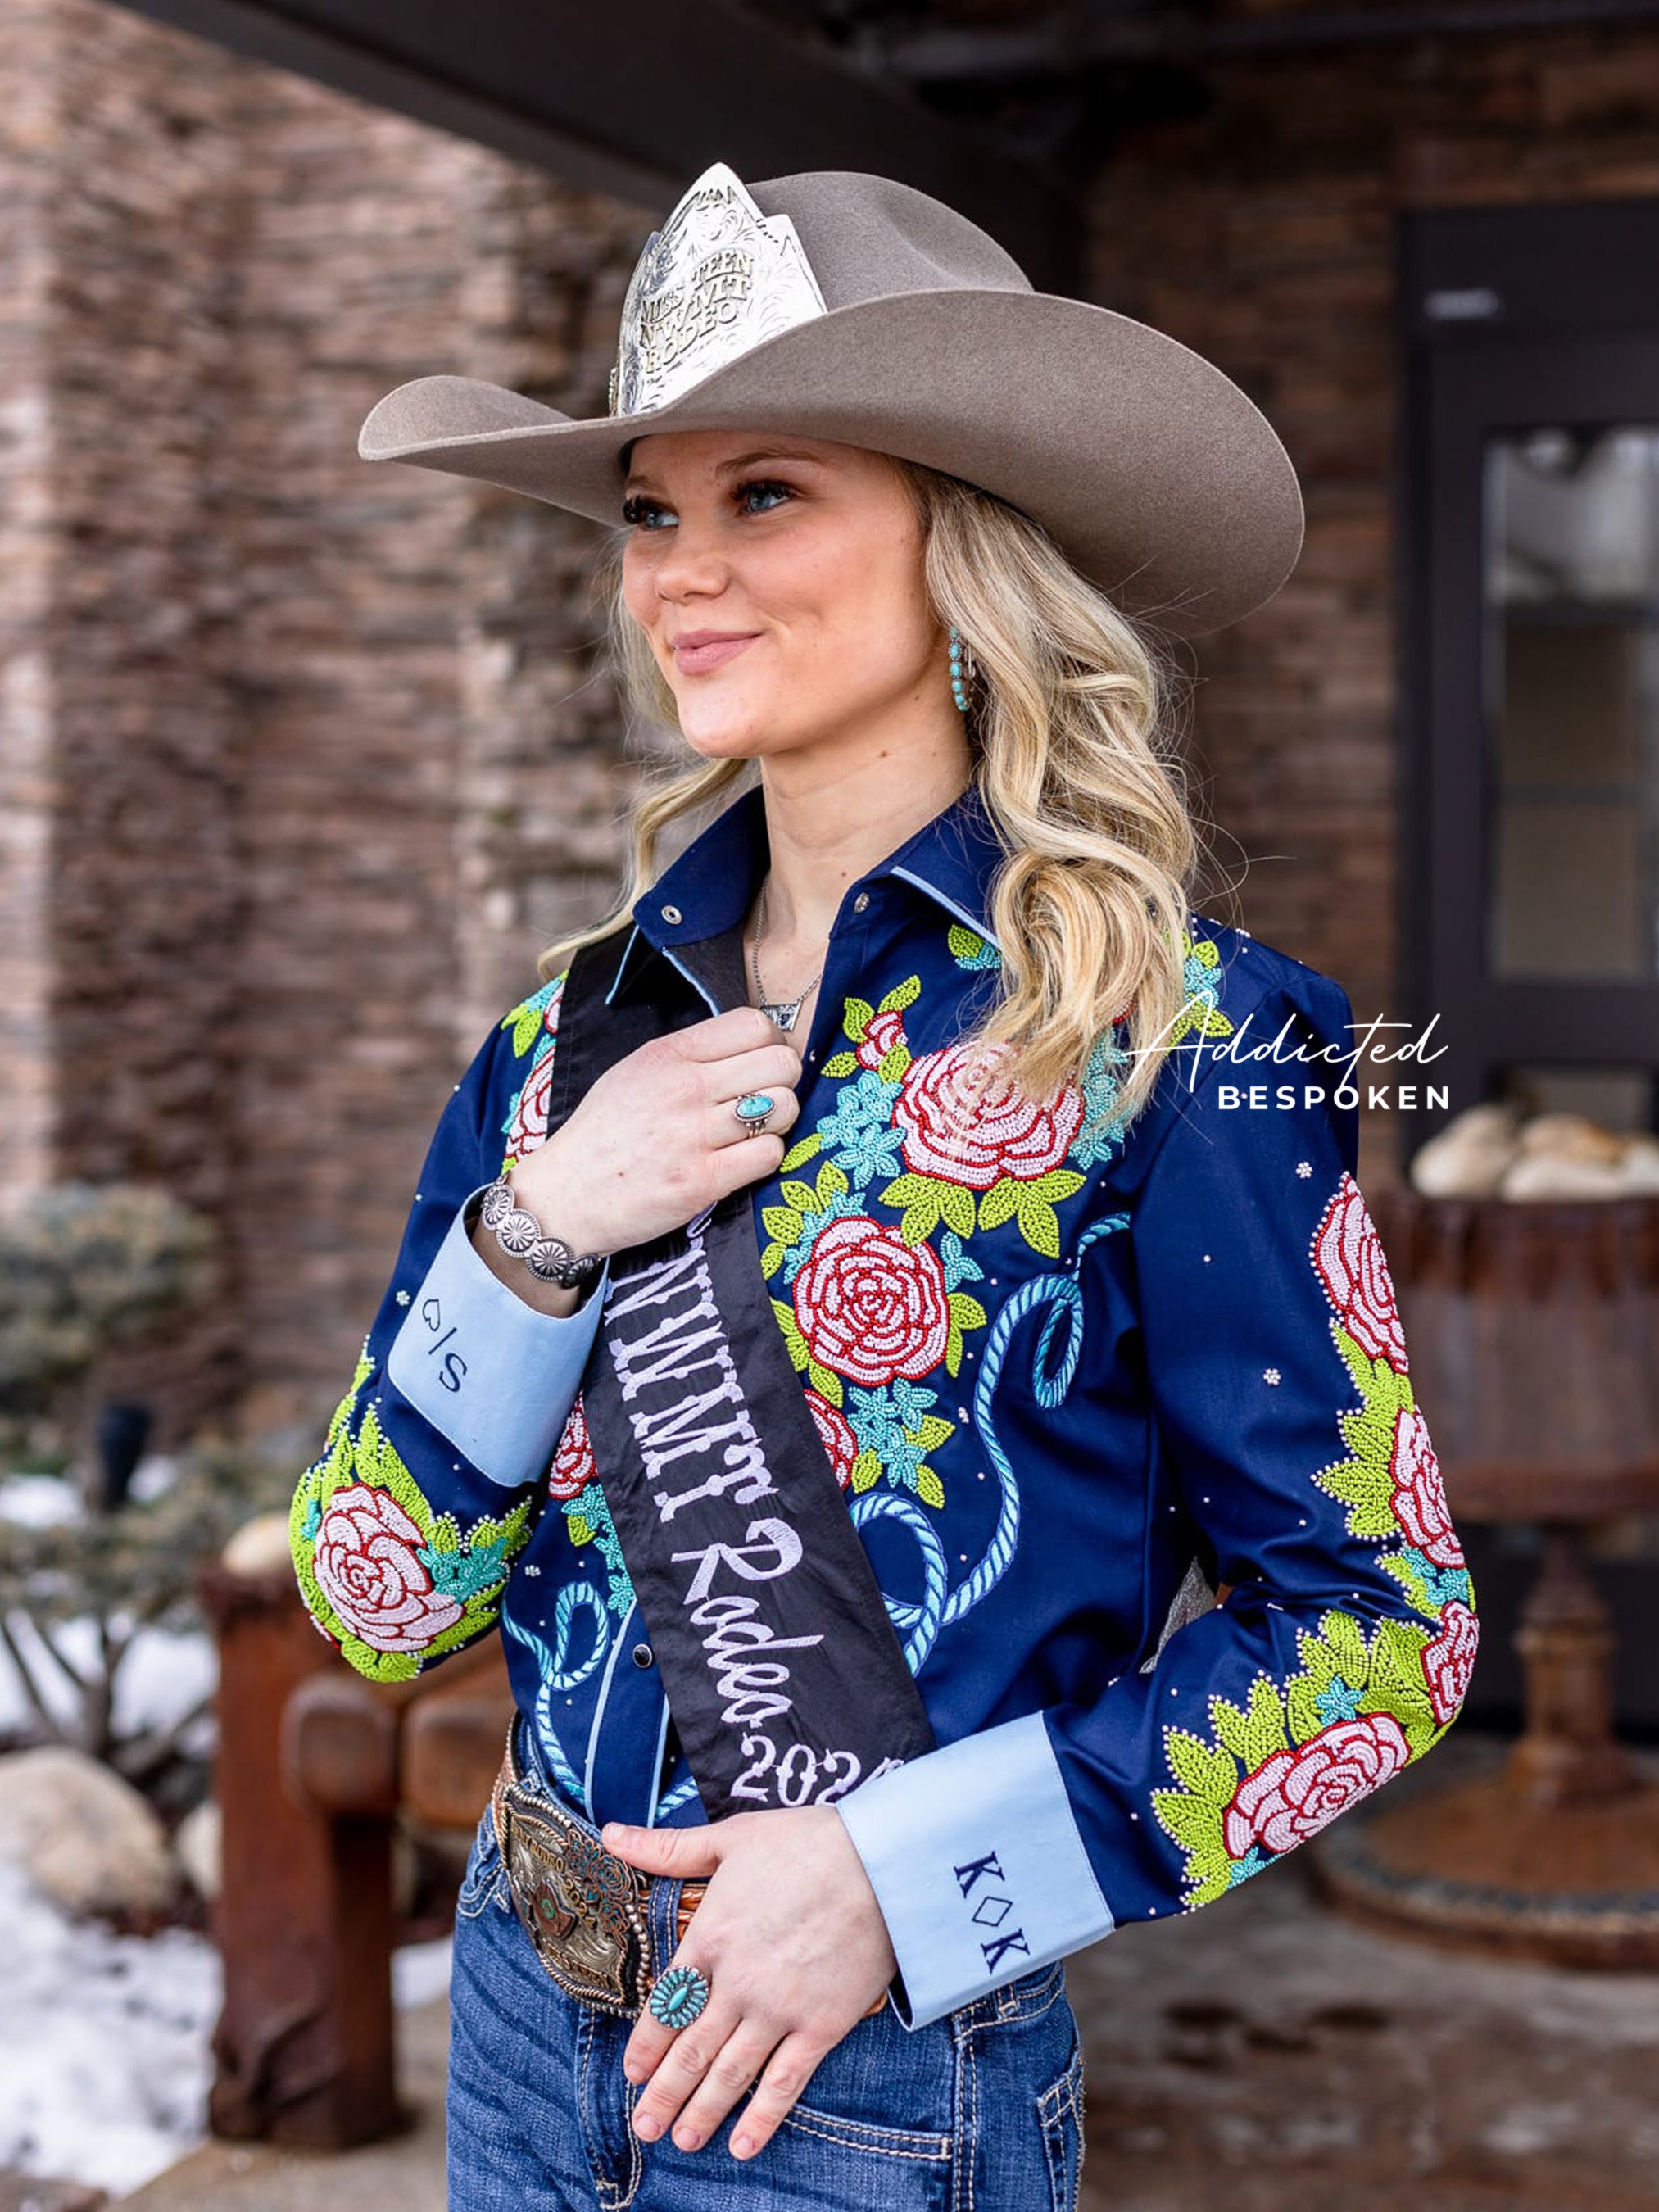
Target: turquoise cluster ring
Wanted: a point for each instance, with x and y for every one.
(754, 1110)
(678, 1996)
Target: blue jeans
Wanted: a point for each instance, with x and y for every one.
(979, 2111)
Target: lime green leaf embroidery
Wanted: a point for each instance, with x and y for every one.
(465, 1573)
(526, 1018)
(803, 1150)
(826, 1383)
(856, 1018)
(1207, 1772)
(901, 995)
(841, 1063)
(832, 1184)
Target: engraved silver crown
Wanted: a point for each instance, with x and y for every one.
(717, 278)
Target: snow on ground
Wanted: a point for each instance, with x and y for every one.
(165, 1675)
(104, 2065)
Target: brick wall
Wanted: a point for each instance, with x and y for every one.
(1263, 235)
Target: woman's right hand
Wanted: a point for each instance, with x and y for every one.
(654, 1140)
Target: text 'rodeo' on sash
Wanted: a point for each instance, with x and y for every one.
(705, 1466)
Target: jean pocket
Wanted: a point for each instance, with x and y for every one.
(1060, 2116)
(484, 1880)
(927, 2146)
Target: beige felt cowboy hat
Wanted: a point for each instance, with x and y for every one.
(850, 307)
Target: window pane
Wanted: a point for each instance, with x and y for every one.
(1572, 702)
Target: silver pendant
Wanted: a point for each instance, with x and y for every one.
(787, 1012)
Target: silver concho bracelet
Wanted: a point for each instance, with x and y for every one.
(518, 1233)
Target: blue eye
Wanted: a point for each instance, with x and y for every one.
(762, 484)
(637, 510)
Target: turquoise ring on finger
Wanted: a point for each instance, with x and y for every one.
(679, 1995)
(754, 1110)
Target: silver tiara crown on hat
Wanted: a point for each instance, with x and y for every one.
(716, 279)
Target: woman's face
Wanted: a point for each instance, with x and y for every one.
(807, 557)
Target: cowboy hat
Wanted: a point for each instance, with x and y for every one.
(850, 307)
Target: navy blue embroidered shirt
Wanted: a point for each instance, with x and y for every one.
(1073, 1378)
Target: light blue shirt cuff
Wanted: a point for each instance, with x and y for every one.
(494, 1376)
(976, 1863)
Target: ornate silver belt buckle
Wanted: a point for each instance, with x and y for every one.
(579, 1905)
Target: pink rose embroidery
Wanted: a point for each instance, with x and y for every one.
(1349, 1255)
(949, 1134)
(871, 1306)
(835, 1434)
(368, 1567)
(573, 1468)
(1449, 1660)
(528, 1127)
(885, 1030)
(1294, 1794)
(1420, 1492)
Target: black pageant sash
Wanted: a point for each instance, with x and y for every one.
(782, 1671)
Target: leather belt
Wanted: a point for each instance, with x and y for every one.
(586, 1912)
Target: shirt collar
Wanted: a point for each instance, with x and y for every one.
(711, 886)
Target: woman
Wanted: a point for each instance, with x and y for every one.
(851, 1326)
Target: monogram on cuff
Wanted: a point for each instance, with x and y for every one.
(489, 1372)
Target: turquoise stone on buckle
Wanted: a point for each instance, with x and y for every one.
(679, 1995)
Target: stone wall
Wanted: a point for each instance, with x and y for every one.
(1263, 234)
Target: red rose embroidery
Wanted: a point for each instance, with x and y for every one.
(1349, 1255)
(1420, 1492)
(835, 1434)
(528, 1127)
(869, 1305)
(370, 1569)
(1449, 1660)
(1294, 1794)
(573, 1467)
(885, 1030)
(952, 1134)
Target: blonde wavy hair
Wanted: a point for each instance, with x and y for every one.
(1071, 736)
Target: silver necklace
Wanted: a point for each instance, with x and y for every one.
(783, 1012)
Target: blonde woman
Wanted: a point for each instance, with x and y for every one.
(850, 1330)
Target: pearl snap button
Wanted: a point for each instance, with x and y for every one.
(642, 1654)
(860, 901)
(671, 913)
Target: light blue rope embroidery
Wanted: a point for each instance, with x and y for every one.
(556, 1676)
(673, 1799)
(926, 1619)
(938, 1609)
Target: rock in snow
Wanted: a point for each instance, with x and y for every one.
(85, 1838)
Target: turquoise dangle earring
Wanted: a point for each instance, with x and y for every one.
(962, 669)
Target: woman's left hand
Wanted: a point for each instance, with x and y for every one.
(795, 1950)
